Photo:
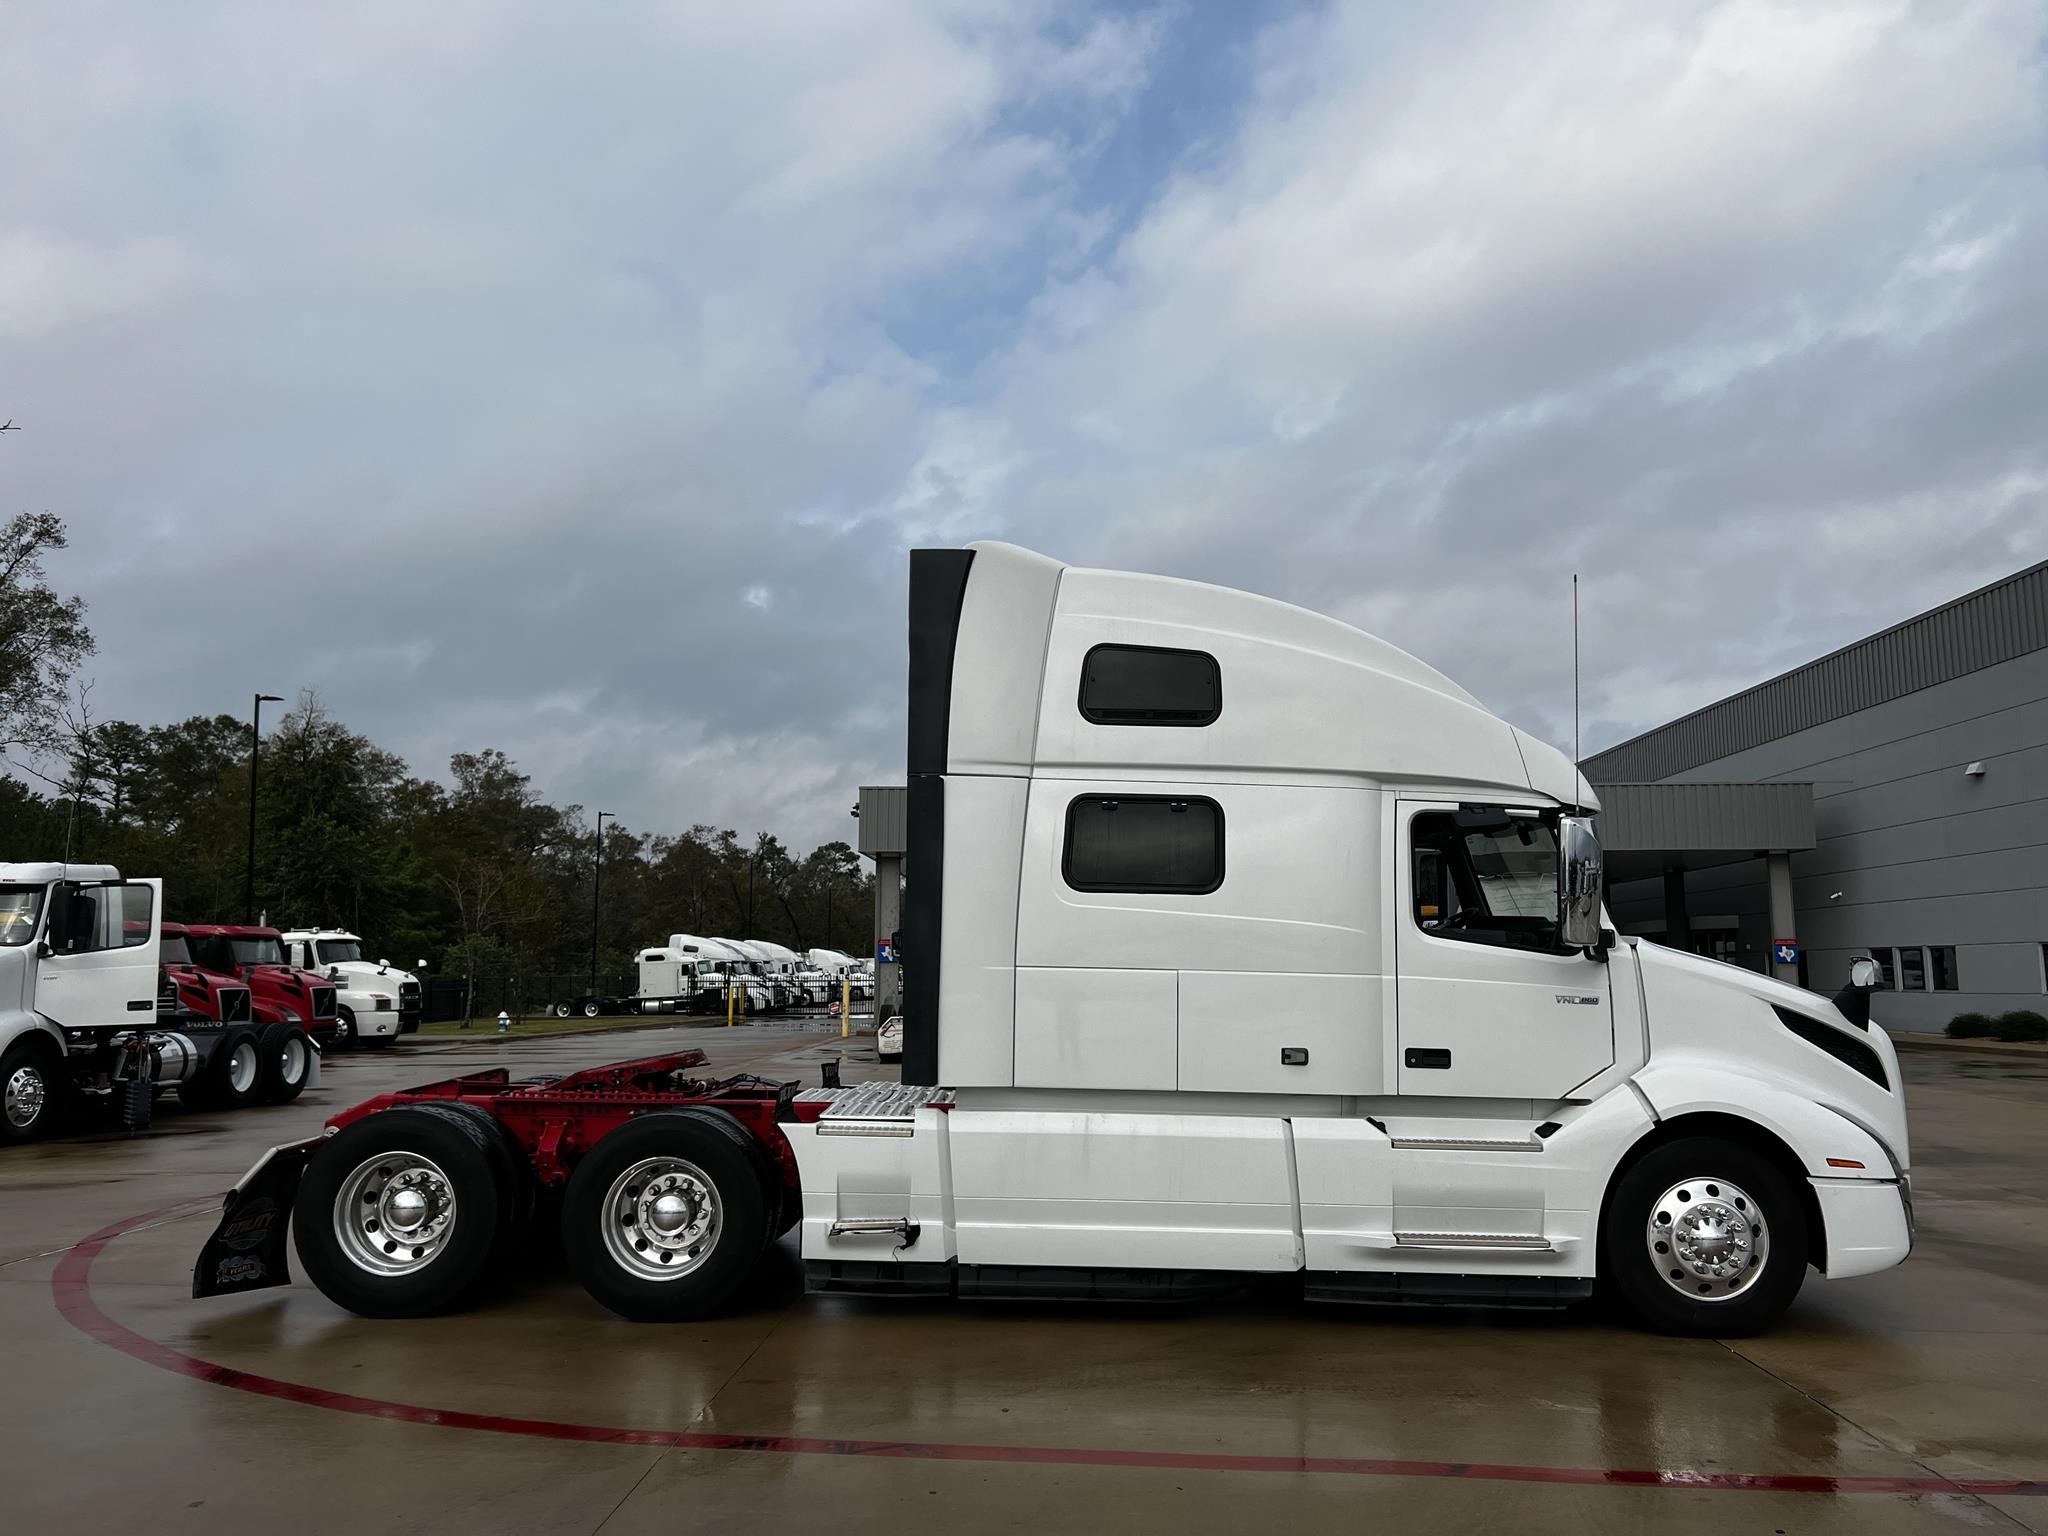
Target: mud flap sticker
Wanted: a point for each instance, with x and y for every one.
(247, 1249)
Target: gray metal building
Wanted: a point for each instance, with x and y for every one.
(1919, 760)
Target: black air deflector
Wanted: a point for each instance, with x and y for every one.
(924, 868)
(938, 585)
(1851, 1053)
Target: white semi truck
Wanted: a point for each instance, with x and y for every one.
(374, 1004)
(92, 1008)
(688, 974)
(1236, 941)
(838, 965)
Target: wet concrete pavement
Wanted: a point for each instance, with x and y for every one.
(136, 1407)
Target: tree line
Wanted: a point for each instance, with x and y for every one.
(480, 876)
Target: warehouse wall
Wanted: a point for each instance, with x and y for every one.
(1920, 853)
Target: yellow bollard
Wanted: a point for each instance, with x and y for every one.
(845, 1005)
(728, 999)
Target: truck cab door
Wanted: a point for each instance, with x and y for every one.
(1488, 1004)
(100, 969)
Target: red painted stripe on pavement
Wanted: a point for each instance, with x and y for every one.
(71, 1289)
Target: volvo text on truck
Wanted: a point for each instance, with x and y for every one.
(1236, 942)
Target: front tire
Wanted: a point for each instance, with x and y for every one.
(28, 1092)
(1705, 1237)
(665, 1219)
(398, 1214)
(344, 1030)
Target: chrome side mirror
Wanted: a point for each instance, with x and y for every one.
(1865, 974)
(1579, 883)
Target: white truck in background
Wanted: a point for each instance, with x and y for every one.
(374, 1004)
(838, 965)
(804, 984)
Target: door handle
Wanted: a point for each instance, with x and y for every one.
(144, 1005)
(1426, 1056)
(1293, 1055)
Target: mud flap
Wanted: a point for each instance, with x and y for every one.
(247, 1249)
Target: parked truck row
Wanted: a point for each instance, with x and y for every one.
(1237, 942)
(694, 974)
(104, 1002)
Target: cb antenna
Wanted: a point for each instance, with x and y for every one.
(1577, 755)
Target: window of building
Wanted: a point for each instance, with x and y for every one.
(1912, 969)
(1158, 844)
(1150, 685)
(1486, 877)
(1941, 967)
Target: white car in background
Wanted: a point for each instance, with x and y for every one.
(889, 1038)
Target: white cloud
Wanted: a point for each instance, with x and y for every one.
(509, 345)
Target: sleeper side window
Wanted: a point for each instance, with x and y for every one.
(1156, 844)
(1484, 876)
(1150, 685)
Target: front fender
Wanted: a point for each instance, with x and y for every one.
(20, 1023)
(1815, 1132)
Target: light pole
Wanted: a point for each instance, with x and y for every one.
(255, 751)
(596, 891)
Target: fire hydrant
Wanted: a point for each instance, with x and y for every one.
(504, 1022)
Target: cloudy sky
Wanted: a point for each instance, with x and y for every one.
(572, 379)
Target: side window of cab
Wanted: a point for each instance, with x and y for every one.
(1485, 875)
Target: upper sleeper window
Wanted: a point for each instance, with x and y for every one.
(1150, 685)
(1147, 843)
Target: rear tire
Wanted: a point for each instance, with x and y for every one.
(1705, 1237)
(235, 1070)
(399, 1214)
(592, 1010)
(665, 1184)
(29, 1089)
(561, 1010)
(287, 1062)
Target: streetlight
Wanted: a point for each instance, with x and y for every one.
(597, 890)
(255, 750)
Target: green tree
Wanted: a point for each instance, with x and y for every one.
(325, 812)
(42, 635)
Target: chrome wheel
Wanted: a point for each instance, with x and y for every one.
(344, 1028)
(1707, 1239)
(293, 1061)
(393, 1214)
(661, 1218)
(25, 1095)
(244, 1065)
